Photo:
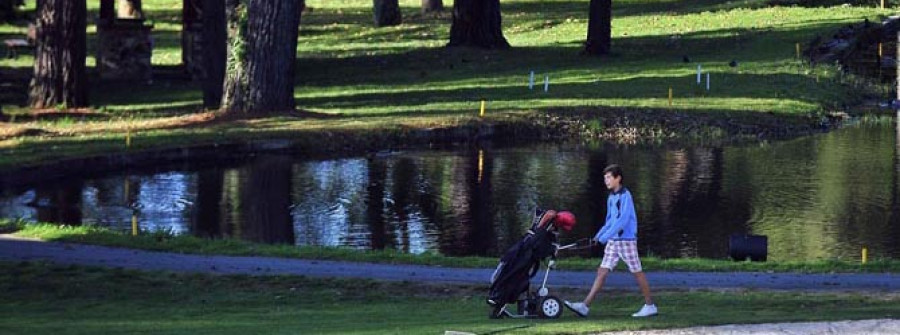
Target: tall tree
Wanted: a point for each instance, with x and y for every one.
(214, 49)
(430, 6)
(477, 23)
(190, 15)
(599, 36)
(130, 9)
(387, 13)
(59, 71)
(262, 49)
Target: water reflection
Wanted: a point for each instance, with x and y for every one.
(894, 223)
(264, 193)
(58, 203)
(207, 218)
(819, 197)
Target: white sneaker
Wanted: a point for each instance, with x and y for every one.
(579, 308)
(647, 310)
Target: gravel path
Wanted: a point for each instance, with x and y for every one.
(15, 248)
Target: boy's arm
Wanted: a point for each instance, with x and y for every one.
(605, 226)
(601, 232)
(619, 222)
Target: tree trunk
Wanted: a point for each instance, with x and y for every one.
(262, 52)
(59, 71)
(107, 10)
(387, 13)
(190, 15)
(430, 6)
(599, 36)
(477, 23)
(214, 49)
(130, 9)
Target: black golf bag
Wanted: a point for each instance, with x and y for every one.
(512, 279)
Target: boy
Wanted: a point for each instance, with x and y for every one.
(619, 233)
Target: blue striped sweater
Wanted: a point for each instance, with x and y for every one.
(621, 220)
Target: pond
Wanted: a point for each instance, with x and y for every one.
(818, 197)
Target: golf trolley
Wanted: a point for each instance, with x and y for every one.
(511, 281)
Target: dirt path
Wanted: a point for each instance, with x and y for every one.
(14, 248)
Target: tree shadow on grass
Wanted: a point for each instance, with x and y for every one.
(728, 86)
(394, 66)
(404, 77)
(14, 85)
(429, 75)
(640, 68)
(561, 10)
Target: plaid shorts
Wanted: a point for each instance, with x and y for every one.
(626, 250)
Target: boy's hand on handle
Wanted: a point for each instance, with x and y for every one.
(596, 238)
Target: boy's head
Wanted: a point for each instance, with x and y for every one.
(612, 177)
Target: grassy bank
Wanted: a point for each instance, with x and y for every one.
(43, 299)
(358, 77)
(204, 130)
(162, 241)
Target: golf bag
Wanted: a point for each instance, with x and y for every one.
(521, 262)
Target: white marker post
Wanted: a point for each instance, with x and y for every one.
(699, 68)
(531, 81)
(707, 81)
(546, 82)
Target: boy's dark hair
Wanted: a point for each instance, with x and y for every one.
(614, 169)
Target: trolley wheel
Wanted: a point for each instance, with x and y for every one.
(550, 307)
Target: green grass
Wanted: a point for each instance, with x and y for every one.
(164, 241)
(346, 66)
(40, 298)
(650, 38)
(316, 136)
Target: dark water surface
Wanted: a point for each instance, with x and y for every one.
(818, 197)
